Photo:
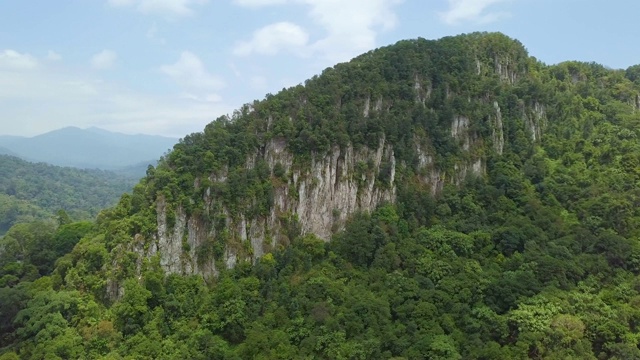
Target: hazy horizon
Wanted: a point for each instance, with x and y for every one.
(170, 67)
(88, 127)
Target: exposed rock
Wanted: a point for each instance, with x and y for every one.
(367, 104)
(429, 174)
(459, 130)
(476, 168)
(504, 67)
(422, 93)
(379, 104)
(497, 130)
(318, 199)
(326, 195)
(534, 120)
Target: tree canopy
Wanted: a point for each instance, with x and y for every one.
(537, 257)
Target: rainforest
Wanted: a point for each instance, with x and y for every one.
(433, 199)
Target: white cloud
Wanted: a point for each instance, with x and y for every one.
(152, 34)
(212, 98)
(13, 60)
(53, 56)
(189, 72)
(471, 11)
(121, 2)
(350, 27)
(166, 7)
(354, 28)
(259, 3)
(74, 99)
(270, 39)
(103, 60)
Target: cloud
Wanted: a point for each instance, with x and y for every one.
(53, 56)
(13, 60)
(354, 28)
(259, 3)
(76, 99)
(350, 28)
(471, 11)
(212, 98)
(166, 7)
(270, 39)
(189, 72)
(121, 2)
(103, 60)
(152, 34)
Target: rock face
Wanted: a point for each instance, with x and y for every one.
(317, 201)
(535, 120)
(319, 196)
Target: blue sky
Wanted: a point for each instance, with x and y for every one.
(169, 67)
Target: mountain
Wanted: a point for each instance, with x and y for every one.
(92, 148)
(432, 199)
(38, 191)
(420, 113)
(5, 151)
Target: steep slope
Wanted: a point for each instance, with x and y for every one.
(480, 205)
(411, 117)
(89, 148)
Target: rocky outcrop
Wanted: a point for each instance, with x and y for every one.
(459, 131)
(317, 197)
(535, 120)
(505, 67)
(318, 200)
(497, 131)
(423, 92)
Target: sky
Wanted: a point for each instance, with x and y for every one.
(169, 67)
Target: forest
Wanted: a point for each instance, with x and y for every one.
(537, 257)
(37, 191)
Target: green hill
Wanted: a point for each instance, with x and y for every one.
(446, 199)
(38, 191)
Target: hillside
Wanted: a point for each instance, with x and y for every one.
(37, 191)
(91, 148)
(445, 199)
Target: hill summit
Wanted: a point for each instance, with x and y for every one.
(395, 125)
(445, 199)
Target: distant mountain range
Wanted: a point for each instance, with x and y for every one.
(91, 148)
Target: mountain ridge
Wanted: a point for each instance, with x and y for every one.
(89, 148)
(344, 142)
(445, 199)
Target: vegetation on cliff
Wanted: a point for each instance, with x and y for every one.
(534, 255)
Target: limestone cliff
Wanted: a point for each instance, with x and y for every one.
(343, 143)
(318, 200)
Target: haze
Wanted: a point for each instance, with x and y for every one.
(169, 67)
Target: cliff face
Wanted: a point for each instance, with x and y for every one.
(318, 200)
(316, 195)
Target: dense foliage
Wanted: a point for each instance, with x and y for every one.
(539, 258)
(31, 191)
